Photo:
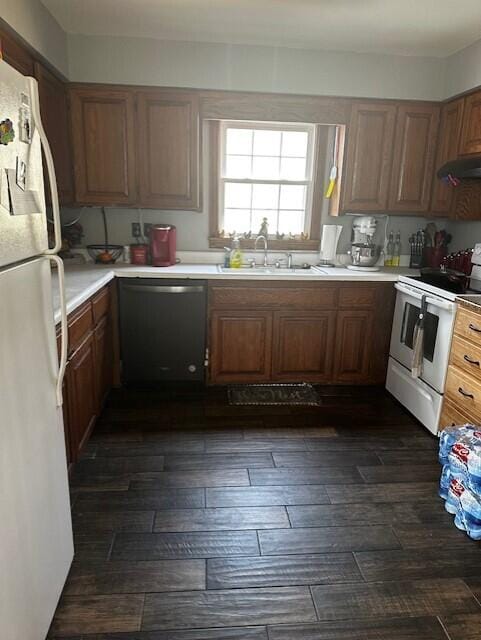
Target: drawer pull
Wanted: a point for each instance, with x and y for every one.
(468, 359)
(465, 393)
(474, 328)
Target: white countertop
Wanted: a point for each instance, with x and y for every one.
(82, 281)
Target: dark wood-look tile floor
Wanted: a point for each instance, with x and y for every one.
(195, 520)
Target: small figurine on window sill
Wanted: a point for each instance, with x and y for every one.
(247, 235)
(280, 236)
(233, 234)
(304, 236)
(264, 230)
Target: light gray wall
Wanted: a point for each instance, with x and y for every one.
(193, 228)
(35, 24)
(253, 68)
(463, 70)
(465, 234)
(267, 69)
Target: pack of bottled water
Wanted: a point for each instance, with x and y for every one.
(460, 484)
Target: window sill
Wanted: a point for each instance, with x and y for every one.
(273, 244)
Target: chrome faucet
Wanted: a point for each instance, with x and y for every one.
(289, 260)
(265, 248)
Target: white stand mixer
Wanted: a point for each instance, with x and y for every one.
(364, 253)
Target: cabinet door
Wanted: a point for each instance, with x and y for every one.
(54, 112)
(448, 142)
(302, 347)
(471, 136)
(241, 346)
(369, 157)
(413, 163)
(353, 346)
(66, 420)
(82, 396)
(102, 124)
(169, 150)
(15, 54)
(103, 360)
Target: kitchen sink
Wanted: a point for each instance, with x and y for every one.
(271, 271)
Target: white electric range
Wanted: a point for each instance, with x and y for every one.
(423, 395)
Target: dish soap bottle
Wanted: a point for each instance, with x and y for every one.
(236, 255)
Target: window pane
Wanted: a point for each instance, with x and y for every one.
(293, 169)
(265, 168)
(291, 222)
(294, 144)
(238, 166)
(267, 143)
(292, 196)
(265, 196)
(258, 215)
(239, 141)
(236, 220)
(237, 196)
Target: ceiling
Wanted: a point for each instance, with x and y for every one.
(410, 27)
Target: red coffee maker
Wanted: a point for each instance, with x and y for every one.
(163, 245)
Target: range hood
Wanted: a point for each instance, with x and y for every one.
(464, 168)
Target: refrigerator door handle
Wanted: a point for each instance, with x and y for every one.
(35, 106)
(64, 328)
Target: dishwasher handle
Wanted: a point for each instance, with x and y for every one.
(146, 288)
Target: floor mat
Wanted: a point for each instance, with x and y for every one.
(273, 394)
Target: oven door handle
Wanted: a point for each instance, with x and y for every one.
(435, 302)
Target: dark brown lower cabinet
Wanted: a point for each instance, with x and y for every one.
(103, 360)
(90, 369)
(82, 393)
(302, 345)
(329, 333)
(353, 346)
(241, 346)
(66, 423)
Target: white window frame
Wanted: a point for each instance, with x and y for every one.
(310, 129)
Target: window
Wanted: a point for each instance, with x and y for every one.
(265, 173)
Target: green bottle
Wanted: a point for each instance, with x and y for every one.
(388, 258)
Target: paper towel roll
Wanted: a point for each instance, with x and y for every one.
(329, 240)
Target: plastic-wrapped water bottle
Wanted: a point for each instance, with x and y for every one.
(444, 482)
(460, 484)
(464, 460)
(449, 436)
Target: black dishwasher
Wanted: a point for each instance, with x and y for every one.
(162, 328)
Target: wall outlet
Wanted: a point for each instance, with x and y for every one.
(147, 228)
(136, 233)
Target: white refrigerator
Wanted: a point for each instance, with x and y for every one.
(36, 546)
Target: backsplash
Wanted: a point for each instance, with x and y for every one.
(465, 234)
(193, 227)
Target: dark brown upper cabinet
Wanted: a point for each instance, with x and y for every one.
(413, 158)
(470, 143)
(169, 149)
(368, 157)
(15, 54)
(103, 138)
(54, 112)
(448, 142)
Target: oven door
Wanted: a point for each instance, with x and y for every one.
(438, 329)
